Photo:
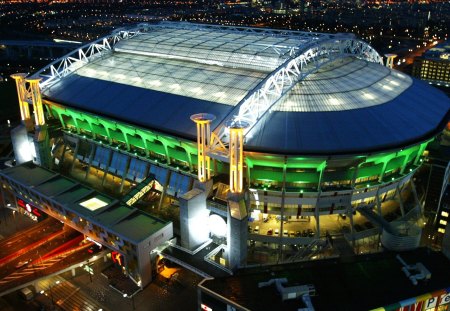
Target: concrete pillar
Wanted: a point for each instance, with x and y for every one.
(125, 172)
(91, 157)
(75, 153)
(400, 201)
(163, 193)
(194, 216)
(237, 225)
(352, 229)
(63, 154)
(107, 166)
(317, 215)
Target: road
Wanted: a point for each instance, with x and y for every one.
(39, 250)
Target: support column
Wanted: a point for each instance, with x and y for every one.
(63, 154)
(283, 199)
(377, 199)
(236, 148)
(402, 208)
(390, 60)
(163, 193)
(317, 215)
(37, 101)
(416, 197)
(237, 229)
(91, 157)
(125, 172)
(22, 95)
(420, 152)
(75, 152)
(107, 166)
(203, 121)
(380, 179)
(352, 229)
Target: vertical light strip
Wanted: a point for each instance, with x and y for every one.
(236, 148)
(21, 94)
(203, 121)
(37, 101)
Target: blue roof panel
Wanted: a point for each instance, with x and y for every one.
(415, 115)
(156, 110)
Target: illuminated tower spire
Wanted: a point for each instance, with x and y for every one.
(22, 95)
(390, 60)
(203, 121)
(36, 98)
(236, 148)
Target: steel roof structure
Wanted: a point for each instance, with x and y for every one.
(299, 92)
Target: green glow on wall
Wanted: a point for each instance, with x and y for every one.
(261, 167)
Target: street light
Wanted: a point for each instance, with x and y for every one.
(132, 300)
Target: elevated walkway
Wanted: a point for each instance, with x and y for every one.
(194, 262)
(140, 190)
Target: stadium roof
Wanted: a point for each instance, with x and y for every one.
(157, 78)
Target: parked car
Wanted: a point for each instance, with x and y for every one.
(256, 230)
(311, 233)
(285, 233)
(277, 232)
(298, 233)
(270, 231)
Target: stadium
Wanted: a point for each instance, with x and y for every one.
(258, 139)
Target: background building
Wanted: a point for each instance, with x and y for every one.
(434, 65)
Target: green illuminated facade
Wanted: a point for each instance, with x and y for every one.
(306, 174)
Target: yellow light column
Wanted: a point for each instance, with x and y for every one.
(390, 60)
(203, 121)
(237, 155)
(21, 94)
(37, 101)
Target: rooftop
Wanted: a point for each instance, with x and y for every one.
(357, 283)
(180, 69)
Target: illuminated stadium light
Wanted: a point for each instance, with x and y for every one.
(368, 96)
(387, 87)
(334, 101)
(217, 225)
